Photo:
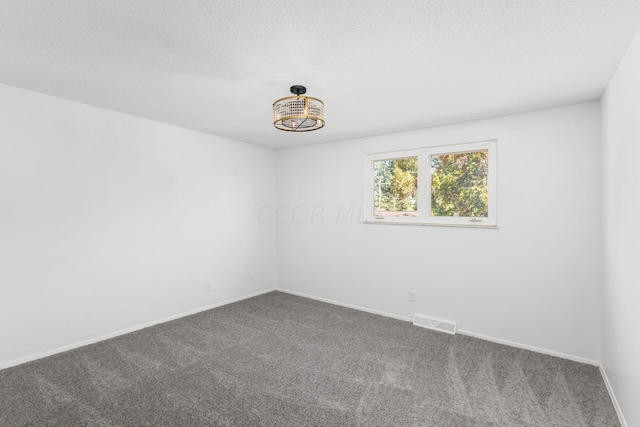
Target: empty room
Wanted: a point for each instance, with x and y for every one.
(407, 213)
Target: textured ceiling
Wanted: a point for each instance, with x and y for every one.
(380, 66)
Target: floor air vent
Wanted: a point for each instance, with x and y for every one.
(435, 324)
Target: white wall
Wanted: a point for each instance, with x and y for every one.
(533, 281)
(109, 221)
(621, 185)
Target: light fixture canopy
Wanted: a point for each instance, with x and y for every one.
(298, 113)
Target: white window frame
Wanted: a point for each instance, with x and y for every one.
(424, 186)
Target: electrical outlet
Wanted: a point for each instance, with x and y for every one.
(207, 287)
(412, 296)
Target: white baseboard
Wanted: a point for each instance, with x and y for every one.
(344, 304)
(616, 405)
(462, 332)
(68, 347)
(529, 347)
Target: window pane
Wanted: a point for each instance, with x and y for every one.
(459, 184)
(395, 187)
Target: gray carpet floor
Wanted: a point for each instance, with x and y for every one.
(282, 360)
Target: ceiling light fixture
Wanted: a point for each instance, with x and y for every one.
(298, 113)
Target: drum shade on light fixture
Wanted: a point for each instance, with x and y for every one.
(298, 113)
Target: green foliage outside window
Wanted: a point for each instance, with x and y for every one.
(459, 184)
(396, 185)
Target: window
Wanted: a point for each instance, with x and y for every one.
(450, 185)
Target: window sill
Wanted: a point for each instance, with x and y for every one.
(432, 224)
